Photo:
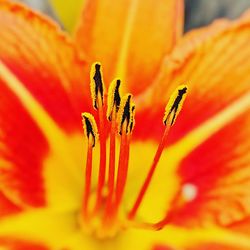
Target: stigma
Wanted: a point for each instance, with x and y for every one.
(101, 212)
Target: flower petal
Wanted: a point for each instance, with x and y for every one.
(40, 102)
(44, 226)
(6, 206)
(129, 37)
(17, 244)
(175, 237)
(210, 135)
(68, 12)
(61, 231)
(207, 246)
(215, 176)
(215, 247)
(214, 181)
(214, 63)
(44, 59)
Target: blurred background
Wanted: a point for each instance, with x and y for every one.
(197, 12)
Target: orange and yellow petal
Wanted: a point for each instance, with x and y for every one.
(207, 161)
(214, 63)
(44, 59)
(213, 129)
(42, 94)
(214, 178)
(130, 38)
(18, 244)
(7, 207)
(22, 150)
(209, 246)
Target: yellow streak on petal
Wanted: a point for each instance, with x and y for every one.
(58, 142)
(41, 225)
(177, 237)
(122, 58)
(60, 230)
(207, 129)
(37, 112)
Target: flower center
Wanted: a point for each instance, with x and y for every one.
(101, 208)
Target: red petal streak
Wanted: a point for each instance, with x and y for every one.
(44, 63)
(219, 171)
(6, 206)
(22, 152)
(16, 244)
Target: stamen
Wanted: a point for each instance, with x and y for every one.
(125, 118)
(172, 110)
(90, 131)
(114, 100)
(97, 93)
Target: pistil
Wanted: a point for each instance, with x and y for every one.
(97, 93)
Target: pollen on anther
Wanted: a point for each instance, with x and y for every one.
(125, 114)
(174, 105)
(96, 83)
(114, 98)
(90, 127)
(132, 123)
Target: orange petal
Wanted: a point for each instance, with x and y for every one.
(22, 149)
(209, 246)
(214, 63)
(40, 82)
(212, 246)
(211, 133)
(17, 244)
(44, 59)
(6, 206)
(215, 180)
(130, 38)
(201, 247)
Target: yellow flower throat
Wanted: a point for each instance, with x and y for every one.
(101, 210)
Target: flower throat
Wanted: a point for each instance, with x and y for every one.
(104, 218)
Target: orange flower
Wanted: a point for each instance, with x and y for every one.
(54, 193)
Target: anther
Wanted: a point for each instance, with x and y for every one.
(89, 127)
(96, 84)
(174, 105)
(125, 114)
(114, 98)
